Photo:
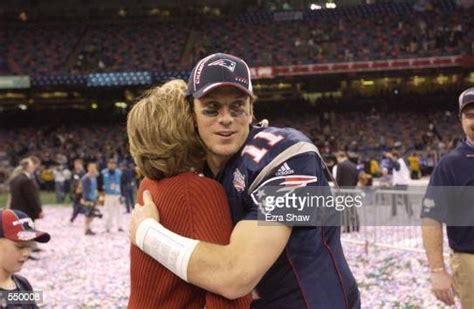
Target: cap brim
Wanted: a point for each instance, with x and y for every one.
(199, 94)
(32, 235)
(466, 105)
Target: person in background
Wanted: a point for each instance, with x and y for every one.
(24, 190)
(76, 189)
(110, 183)
(347, 177)
(128, 185)
(400, 182)
(89, 195)
(449, 199)
(414, 163)
(61, 176)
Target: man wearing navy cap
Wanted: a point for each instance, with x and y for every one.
(16, 236)
(286, 266)
(449, 199)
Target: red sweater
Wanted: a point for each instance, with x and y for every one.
(194, 207)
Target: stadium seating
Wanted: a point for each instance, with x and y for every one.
(369, 32)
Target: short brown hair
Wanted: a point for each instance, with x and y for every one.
(161, 133)
(341, 155)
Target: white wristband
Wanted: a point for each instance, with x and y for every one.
(171, 250)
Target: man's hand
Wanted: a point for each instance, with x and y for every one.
(140, 213)
(442, 287)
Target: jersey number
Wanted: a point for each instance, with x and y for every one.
(258, 153)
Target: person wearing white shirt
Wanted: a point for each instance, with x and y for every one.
(400, 180)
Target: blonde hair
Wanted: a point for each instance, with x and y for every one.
(161, 133)
(22, 166)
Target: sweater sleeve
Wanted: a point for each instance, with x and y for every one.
(212, 223)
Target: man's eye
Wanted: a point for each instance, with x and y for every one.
(210, 112)
(237, 110)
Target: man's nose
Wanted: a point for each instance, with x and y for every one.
(225, 117)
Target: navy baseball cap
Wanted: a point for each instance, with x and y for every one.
(17, 226)
(466, 98)
(218, 70)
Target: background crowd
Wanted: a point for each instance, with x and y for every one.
(370, 32)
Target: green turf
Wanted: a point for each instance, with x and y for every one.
(47, 198)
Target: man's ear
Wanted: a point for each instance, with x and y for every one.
(251, 119)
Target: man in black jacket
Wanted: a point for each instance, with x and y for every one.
(24, 190)
(347, 177)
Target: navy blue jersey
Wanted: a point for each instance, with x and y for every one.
(450, 197)
(312, 271)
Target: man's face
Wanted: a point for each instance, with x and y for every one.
(223, 117)
(77, 165)
(31, 168)
(467, 120)
(111, 165)
(92, 168)
(13, 254)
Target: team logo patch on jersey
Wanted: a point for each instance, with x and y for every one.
(226, 63)
(239, 181)
(428, 204)
(284, 170)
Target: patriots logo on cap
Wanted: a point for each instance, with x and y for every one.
(226, 63)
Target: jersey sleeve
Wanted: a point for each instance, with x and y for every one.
(435, 203)
(212, 223)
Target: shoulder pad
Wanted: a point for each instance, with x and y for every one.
(265, 144)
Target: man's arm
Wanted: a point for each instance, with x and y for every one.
(432, 233)
(234, 270)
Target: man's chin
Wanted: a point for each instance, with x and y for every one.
(225, 151)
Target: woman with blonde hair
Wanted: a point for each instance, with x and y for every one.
(168, 152)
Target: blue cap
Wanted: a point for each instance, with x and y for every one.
(466, 98)
(219, 70)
